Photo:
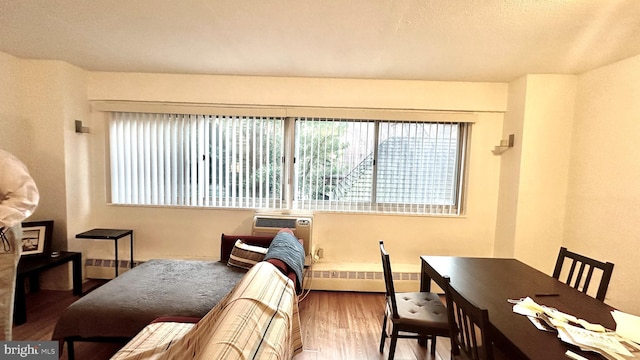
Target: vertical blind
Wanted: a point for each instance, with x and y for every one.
(378, 166)
(334, 160)
(196, 160)
(338, 164)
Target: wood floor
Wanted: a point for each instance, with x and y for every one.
(44, 307)
(335, 325)
(347, 325)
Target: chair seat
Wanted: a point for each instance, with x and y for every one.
(419, 309)
(416, 315)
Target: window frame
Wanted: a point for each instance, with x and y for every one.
(287, 201)
(374, 206)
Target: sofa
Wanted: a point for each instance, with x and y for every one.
(257, 319)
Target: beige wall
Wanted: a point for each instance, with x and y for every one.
(507, 214)
(346, 238)
(40, 99)
(534, 173)
(544, 163)
(251, 90)
(603, 203)
(14, 127)
(53, 99)
(35, 107)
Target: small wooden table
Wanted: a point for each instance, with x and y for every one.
(110, 234)
(489, 282)
(31, 267)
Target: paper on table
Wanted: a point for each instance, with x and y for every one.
(627, 325)
(588, 337)
(584, 338)
(528, 307)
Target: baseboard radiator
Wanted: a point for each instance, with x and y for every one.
(362, 275)
(336, 280)
(105, 268)
(364, 281)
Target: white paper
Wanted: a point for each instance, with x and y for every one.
(537, 322)
(587, 336)
(603, 341)
(627, 325)
(528, 307)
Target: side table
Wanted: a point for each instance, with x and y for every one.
(31, 267)
(110, 234)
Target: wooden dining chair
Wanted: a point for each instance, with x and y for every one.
(413, 315)
(585, 267)
(469, 328)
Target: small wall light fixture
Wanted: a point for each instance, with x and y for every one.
(504, 145)
(81, 129)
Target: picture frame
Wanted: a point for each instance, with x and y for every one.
(36, 238)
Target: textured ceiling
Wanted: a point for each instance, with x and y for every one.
(488, 40)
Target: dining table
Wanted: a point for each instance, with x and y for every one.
(490, 282)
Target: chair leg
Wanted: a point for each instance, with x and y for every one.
(422, 341)
(70, 350)
(455, 350)
(392, 346)
(433, 344)
(384, 332)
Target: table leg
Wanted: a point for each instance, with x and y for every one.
(425, 279)
(19, 302)
(77, 274)
(34, 282)
(71, 354)
(131, 250)
(117, 264)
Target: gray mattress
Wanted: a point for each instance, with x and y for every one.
(126, 304)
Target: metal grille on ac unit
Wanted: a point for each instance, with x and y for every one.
(269, 225)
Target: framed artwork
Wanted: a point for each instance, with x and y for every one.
(36, 238)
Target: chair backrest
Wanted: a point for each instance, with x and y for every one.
(388, 280)
(469, 326)
(581, 278)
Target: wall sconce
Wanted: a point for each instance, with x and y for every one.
(81, 129)
(504, 145)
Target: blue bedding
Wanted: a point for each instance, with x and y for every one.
(288, 249)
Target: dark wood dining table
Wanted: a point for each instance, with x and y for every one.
(490, 282)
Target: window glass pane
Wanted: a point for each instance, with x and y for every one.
(334, 160)
(246, 162)
(417, 163)
(377, 166)
(196, 160)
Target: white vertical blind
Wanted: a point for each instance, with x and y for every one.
(196, 160)
(235, 161)
(378, 166)
(418, 167)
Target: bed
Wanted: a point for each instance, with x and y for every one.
(119, 309)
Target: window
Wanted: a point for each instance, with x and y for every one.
(196, 160)
(378, 166)
(244, 162)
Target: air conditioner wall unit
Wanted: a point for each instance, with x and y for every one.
(269, 225)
